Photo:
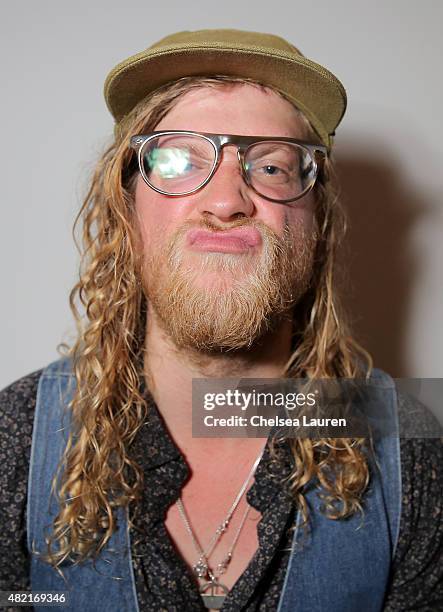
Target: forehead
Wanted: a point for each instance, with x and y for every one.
(234, 109)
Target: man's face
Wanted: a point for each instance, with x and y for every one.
(207, 291)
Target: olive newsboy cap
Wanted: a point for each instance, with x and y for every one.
(264, 57)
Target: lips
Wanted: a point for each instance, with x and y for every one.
(237, 240)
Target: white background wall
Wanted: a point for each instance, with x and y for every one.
(54, 59)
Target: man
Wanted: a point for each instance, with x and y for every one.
(210, 230)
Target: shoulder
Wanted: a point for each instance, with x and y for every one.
(417, 574)
(421, 452)
(17, 408)
(17, 404)
(415, 419)
(18, 400)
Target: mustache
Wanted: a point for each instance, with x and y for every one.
(240, 222)
(216, 226)
(273, 249)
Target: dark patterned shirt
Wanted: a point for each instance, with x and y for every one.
(164, 582)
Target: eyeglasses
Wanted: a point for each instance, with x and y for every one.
(179, 162)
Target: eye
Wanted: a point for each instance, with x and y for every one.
(168, 162)
(175, 157)
(271, 170)
(171, 162)
(268, 168)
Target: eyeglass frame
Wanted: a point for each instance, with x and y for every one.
(317, 152)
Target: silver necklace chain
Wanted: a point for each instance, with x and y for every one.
(201, 567)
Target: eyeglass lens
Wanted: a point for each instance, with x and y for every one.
(180, 163)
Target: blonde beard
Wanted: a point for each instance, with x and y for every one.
(245, 296)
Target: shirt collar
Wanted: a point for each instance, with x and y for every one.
(153, 439)
(154, 447)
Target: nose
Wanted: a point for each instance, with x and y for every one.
(226, 196)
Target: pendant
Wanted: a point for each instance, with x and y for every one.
(223, 566)
(201, 569)
(211, 600)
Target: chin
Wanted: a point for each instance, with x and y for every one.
(214, 262)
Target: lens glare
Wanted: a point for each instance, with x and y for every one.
(178, 163)
(279, 170)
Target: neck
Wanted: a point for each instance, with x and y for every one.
(169, 372)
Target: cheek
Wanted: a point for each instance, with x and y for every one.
(276, 216)
(303, 214)
(155, 216)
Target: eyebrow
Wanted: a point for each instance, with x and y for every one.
(271, 147)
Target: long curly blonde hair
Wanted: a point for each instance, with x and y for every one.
(96, 473)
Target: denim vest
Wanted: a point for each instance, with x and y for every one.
(339, 566)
